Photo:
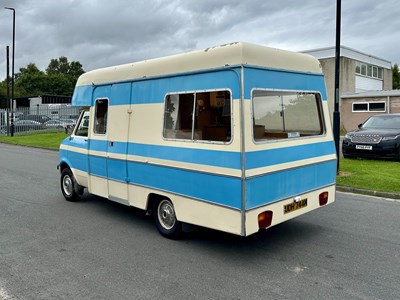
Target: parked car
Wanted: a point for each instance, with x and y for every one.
(54, 124)
(27, 125)
(38, 118)
(377, 137)
(58, 124)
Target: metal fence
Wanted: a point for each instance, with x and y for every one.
(41, 118)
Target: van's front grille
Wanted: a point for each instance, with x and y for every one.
(366, 139)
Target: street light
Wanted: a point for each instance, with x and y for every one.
(12, 76)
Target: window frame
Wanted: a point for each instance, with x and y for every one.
(84, 112)
(368, 109)
(320, 110)
(95, 117)
(193, 140)
(371, 71)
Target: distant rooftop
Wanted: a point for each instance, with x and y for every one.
(329, 52)
(369, 94)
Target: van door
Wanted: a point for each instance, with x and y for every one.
(98, 144)
(118, 125)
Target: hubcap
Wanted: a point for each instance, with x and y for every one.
(166, 214)
(68, 186)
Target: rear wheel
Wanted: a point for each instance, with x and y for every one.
(69, 187)
(165, 219)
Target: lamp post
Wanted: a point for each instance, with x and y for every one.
(12, 72)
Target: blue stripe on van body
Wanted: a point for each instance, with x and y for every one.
(215, 158)
(153, 90)
(217, 189)
(74, 160)
(282, 80)
(263, 158)
(225, 159)
(273, 187)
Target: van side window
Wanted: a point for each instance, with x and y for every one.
(83, 126)
(283, 115)
(100, 116)
(204, 116)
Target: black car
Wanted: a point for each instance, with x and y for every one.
(377, 137)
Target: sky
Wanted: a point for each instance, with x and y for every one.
(101, 33)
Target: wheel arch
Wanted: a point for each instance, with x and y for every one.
(152, 198)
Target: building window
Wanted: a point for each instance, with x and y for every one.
(369, 70)
(198, 116)
(285, 115)
(369, 106)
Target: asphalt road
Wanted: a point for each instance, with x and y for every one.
(96, 249)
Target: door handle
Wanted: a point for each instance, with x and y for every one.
(111, 144)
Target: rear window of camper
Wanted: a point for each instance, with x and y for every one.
(281, 115)
(199, 116)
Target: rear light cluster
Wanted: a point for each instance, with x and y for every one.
(323, 198)
(265, 218)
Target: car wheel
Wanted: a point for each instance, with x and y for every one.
(165, 219)
(69, 187)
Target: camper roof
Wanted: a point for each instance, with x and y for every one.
(233, 54)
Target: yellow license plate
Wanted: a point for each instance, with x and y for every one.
(294, 206)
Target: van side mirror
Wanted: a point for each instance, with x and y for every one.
(360, 125)
(68, 129)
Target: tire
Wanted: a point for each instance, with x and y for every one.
(69, 187)
(165, 219)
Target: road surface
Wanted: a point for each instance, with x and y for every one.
(96, 249)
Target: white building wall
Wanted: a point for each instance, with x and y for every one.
(364, 84)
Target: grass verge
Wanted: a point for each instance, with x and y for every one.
(50, 140)
(375, 175)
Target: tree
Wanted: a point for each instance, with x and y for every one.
(59, 79)
(62, 66)
(30, 81)
(63, 75)
(396, 77)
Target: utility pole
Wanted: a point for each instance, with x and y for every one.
(336, 113)
(8, 89)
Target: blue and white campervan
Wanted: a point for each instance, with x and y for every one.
(235, 138)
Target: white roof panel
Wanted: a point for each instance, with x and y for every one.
(233, 54)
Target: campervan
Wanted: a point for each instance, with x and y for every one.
(236, 138)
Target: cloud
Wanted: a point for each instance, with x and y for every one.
(103, 33)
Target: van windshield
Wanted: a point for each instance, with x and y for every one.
(83, 125)
(284, 115)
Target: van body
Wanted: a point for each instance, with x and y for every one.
(235, 138)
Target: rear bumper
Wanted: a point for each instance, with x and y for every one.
(278, 213)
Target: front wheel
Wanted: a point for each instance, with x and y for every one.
(69, 187)
(165, 219)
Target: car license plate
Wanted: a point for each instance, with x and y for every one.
(294, 206)
(363, 147)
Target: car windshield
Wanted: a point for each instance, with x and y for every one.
(388, 122)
